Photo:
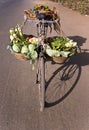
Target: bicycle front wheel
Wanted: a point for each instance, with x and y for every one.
(42, 83)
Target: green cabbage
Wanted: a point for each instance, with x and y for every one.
(24, 49)
(31, 47)
(65, 53)
(52, 53)
(33, 55)
(16, 48)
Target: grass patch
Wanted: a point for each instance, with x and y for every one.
(80, 5)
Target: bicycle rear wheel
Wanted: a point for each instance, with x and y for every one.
(42, 83)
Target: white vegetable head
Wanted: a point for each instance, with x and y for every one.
(31, 47)
(16, 48)
(24, 49)
(12, 31)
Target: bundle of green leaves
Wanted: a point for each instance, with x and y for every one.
(61, 46)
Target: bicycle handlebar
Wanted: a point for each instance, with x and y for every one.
(37, 20)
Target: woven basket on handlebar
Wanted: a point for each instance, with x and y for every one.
(20, 56)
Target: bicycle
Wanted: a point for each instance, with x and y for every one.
(42, 23)
(42, 28)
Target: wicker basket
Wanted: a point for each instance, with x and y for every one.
(20, 56)
(59, 60)
(29, 14)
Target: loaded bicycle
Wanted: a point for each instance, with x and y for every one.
(42, 28)
(23, 47)
(43, 22)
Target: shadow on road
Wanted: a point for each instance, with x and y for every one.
(66, 77)
(80, 40)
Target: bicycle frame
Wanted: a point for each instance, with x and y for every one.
(42, 33)
(42, 28)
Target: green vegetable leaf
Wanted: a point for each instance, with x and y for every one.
(16, 48)
(52, 53)
(33, 55)
(24, 49)
(31, 47)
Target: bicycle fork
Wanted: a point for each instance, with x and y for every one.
(41, 55)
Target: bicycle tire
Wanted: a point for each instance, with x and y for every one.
(42, 84)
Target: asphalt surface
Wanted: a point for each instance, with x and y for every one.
(67, 93)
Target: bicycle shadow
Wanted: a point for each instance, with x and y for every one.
(67, 75)
(80, 40)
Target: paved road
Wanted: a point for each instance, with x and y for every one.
(67, 92)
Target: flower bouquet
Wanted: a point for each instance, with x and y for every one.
(23, 46)
(60, 49)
